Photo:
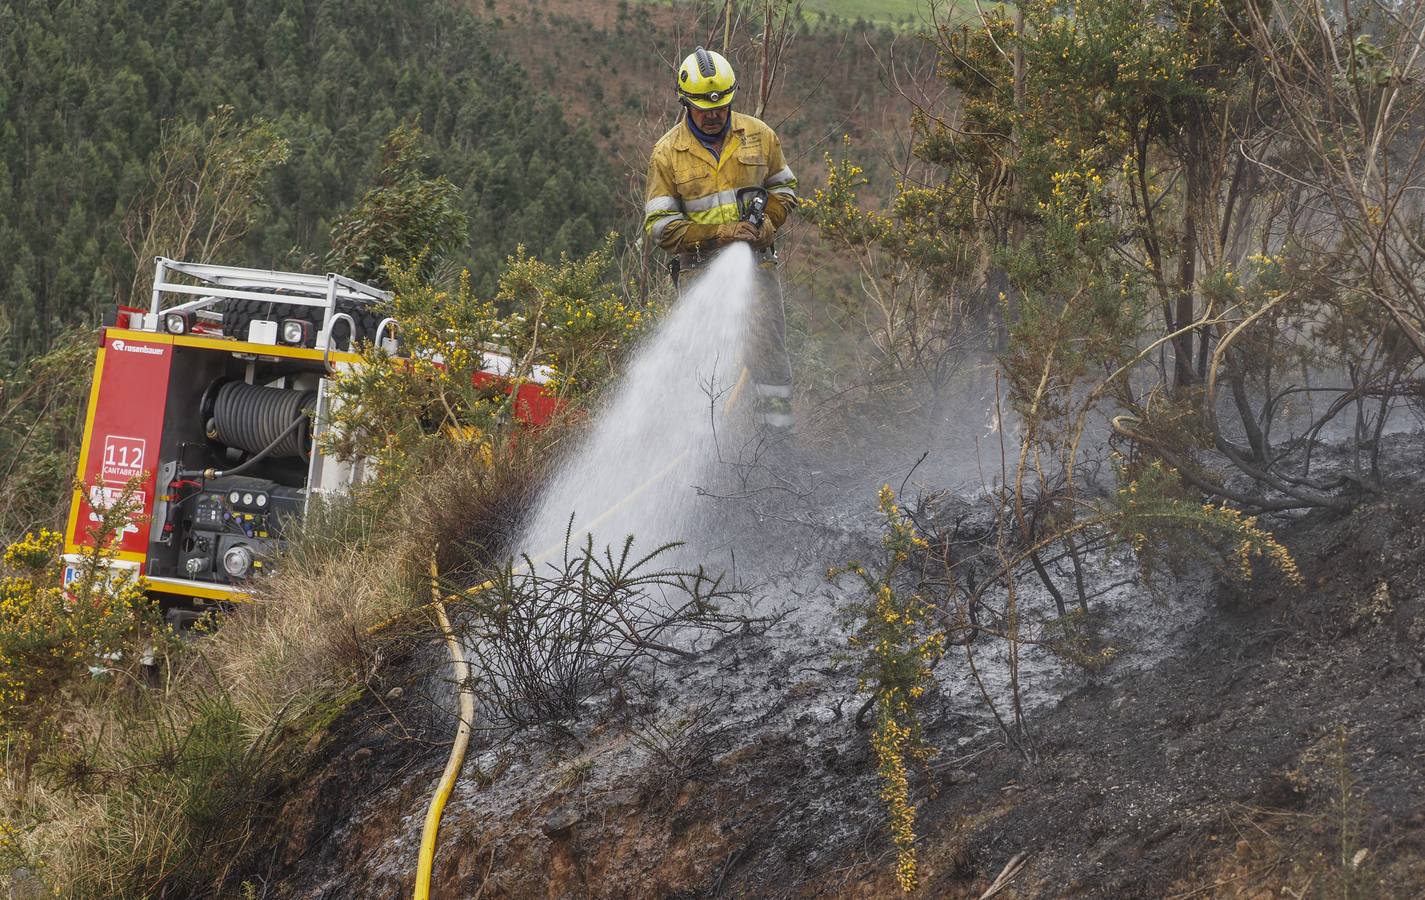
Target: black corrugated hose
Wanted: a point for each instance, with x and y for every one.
(258, 419)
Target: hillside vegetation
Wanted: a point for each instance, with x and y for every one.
(902, 13)
(612, 65)
(87, 90)
(1093, 568)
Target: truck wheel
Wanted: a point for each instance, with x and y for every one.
(240, 312)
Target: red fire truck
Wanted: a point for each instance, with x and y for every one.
(213, 399)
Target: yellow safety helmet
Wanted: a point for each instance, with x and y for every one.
(706, 80)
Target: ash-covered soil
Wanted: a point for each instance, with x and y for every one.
(1271, 744)
(1279, 752)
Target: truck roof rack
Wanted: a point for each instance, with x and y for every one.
(199, 286)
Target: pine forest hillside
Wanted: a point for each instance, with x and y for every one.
(87, 87)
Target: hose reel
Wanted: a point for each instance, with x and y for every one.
(253, 418)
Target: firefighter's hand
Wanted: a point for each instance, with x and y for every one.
(765, 234)
(745, 231)
(729, 232)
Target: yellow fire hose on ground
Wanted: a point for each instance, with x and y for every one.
(461, 669)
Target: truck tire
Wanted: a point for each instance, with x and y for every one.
(240, 312)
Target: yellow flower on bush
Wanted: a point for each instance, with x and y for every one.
(898, 657)
(36, 551)
(51, 637)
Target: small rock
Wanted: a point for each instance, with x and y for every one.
(395, 693)
(958, 776)
(363, 754)
(487, 761)
(559, 822)
(772, 736)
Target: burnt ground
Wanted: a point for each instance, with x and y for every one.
(1287, 735)
(1280, 751)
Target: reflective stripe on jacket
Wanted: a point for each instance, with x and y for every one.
(690, 194)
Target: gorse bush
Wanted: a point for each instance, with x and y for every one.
(565, 316)
(54, 635)
(571, 317)
(917, 300)
(896, 650)
(1166, 524)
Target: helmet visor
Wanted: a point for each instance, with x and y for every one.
(711, 99)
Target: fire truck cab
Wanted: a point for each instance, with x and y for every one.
(211, 403)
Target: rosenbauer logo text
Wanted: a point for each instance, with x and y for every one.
(126, 347)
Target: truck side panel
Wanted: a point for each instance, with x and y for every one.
(532, 405)
(123, 428)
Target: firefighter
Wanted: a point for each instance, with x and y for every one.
(692, 209)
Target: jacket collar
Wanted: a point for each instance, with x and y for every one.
(686, 141)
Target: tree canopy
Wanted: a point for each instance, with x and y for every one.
(86, 88)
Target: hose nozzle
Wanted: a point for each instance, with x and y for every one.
(752, 206)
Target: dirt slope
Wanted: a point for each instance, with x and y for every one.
(1278, 749)
(1286, 736)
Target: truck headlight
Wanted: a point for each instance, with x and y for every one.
(296, 332)
(177, 323)
(237, 562)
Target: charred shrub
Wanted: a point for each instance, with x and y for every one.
(546, 637)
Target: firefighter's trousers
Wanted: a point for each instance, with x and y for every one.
(768, 365)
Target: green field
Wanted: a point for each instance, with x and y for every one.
(872, 10)
(887, 12)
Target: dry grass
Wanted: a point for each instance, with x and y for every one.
(157, 791)
(358, 565)
(306, 633)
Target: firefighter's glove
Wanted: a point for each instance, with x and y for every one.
(765, 235)
(730, 232)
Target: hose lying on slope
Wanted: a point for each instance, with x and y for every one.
(461, 670)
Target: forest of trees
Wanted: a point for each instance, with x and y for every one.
(87, 89)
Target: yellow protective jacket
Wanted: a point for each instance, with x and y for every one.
(690, 194)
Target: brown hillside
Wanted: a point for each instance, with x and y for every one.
(611, 64)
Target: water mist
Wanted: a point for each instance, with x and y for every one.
(654, 439)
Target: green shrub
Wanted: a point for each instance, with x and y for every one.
(897, 654)
(566, 316)
(54, 638)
